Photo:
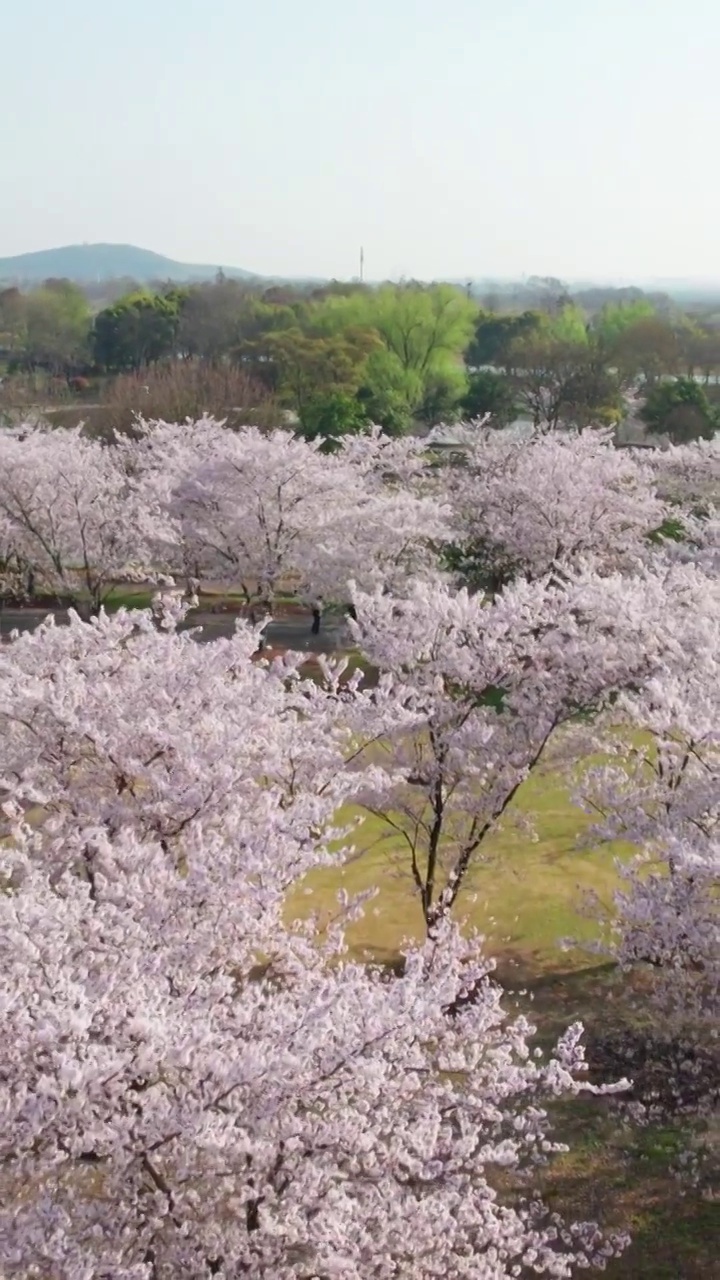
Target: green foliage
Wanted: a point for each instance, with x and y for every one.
(332, 414)
(699, 348)
(490, 393)
(12, 321)
(568, 327)
(493, 696)
(647, 348)
(426, 329)
(681, 410)
(442, 393)
(404, 353)
(424, 326)
(389, 393)
(137, 330)
(616, 318)
(671, 530)
(302, 366)
(593, 393)
(417, 370)
(561, 375)
(495, 336)
(49, 327)
(477, 570)
(224, 319)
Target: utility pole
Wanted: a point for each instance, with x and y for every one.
(362, 264)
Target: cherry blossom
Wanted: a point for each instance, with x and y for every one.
(688, 474)
(13, 569)
(191, 1086)
(119, 724)
(196, 1086)
(272, 511)
(491, 683)
(662, 793)
(524, 506)
(72, 514)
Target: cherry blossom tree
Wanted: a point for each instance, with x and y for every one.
(662, 793)
(659, 788)
(493, 681)
(192, 1087)
(524, 506)
(124, 724)
(73, 516)
(13, 570)
(688, 474)
(271, 510)
(399, 459)
(688, 478)
(665, 785)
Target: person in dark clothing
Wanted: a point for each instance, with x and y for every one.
(317, 616)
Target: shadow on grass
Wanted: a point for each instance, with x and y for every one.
(611, 1177)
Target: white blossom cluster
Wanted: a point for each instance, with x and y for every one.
(191, 1084)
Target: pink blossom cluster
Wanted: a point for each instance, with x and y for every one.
(194, 1086)
(190, 1085)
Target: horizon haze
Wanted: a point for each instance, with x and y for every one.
(93, 263)
(549, 139)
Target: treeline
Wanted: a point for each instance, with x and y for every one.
(343, 355)
(565, 369)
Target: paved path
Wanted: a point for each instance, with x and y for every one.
(285, 633)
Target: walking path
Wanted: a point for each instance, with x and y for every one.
(292, 632)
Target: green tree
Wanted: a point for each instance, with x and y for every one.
(218, 318)
(302, 366)
(699, 348)
(680, 410)
(13, 324)
(562, 382)
(423, 330)
(426, 329)
(568, 326)
(139, 329)
(592, 395)
(332, 414)
(389, 393)
(442, 394)
(615, 318)
(254, 348)
(57, 327)
(647, 348)
(546, 373)
(493, 394)
(495, 336)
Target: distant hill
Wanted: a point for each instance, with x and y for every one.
(89, 263)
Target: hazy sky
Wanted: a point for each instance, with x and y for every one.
(449, 137)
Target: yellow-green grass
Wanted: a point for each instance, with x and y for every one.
(523, 894)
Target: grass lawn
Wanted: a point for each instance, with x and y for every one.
(126, 596)
(523, 894)
(619, 1177)
(523, 897)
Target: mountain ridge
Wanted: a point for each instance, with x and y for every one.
(85, 263)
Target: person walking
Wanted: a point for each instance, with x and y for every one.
(317, 611)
